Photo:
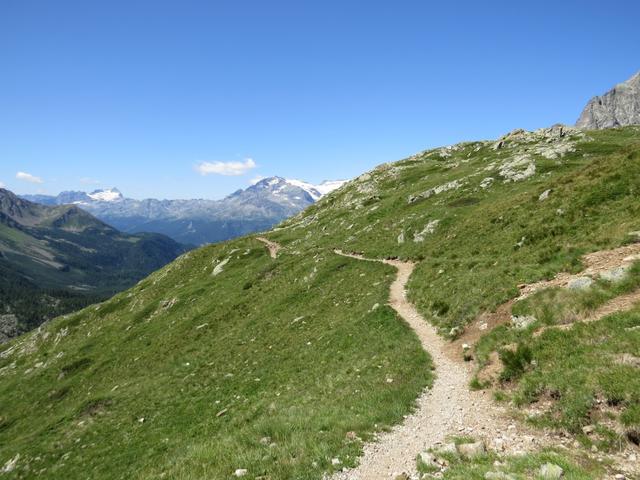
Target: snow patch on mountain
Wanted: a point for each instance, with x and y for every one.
(108, 195)
(317, 191)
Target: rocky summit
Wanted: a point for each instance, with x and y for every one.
(620, 106)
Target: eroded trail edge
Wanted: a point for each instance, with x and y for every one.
(448, 408)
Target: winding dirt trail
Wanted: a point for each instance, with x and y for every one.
(273, 247)
(448, 408)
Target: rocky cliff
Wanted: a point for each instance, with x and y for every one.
(618, 107)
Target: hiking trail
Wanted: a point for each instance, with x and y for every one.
(273, 247)
(445, 409)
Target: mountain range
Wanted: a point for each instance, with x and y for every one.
(57, 259)
(197, 222)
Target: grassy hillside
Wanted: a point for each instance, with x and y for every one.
(476, 239)
(227, 359)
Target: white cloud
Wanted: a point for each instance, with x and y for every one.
(256, 179)
(27, 177)
(2, 185)
(226, 168)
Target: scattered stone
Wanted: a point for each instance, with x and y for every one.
(551, 471)
(522, 321)
(453, 185)
(335, 461)
(265, 440)
(615, 275)
(11, 464)
(427, 458)
(580, 283)
(619, 476)
(220, 267)
(401, 238)
(402, 476)
(351, 436)
(471, 450)
(222, 412)
(544, 195)
(240, 472)
(588, 429)
(428, 229)
(520, 167)
(167, 304)
(486, 182)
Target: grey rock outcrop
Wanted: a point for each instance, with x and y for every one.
(618, 107)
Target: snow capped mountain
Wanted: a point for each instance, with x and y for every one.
(258, 207)
(317, 191)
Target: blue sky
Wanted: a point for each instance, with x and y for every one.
(139, 94)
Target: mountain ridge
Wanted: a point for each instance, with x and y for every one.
(199, 221)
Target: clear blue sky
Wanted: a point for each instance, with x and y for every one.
(137, 94)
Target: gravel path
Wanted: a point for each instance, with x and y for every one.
(448, 408)
(273, 247)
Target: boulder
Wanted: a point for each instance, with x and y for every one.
(580, 283)
(427, 458)
(544, 195)
(445, 448)
(521, 322)
(471, 450)
(551, 471)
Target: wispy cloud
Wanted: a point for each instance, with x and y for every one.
(226, 168)
(89, 181)
(2, 185)
(27, 177)
(256, 179)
